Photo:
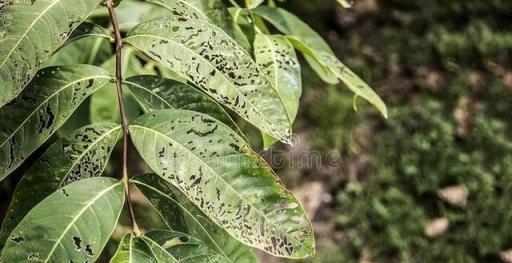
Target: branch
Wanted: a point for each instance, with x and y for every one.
(122, 109)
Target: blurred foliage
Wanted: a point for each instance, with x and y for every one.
(445, 70)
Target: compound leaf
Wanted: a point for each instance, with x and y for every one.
(82, 154)
(30, 32)
(214, 62)
(52, 96)
(181, 214)
(319, 55)
(71, 225)
(217, 170)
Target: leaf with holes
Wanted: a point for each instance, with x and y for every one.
(217, 170)
(82, 154)
(71, 225)
(276, 57)
(42, 108)
(181, 214)
(214, 62)
(319, 55)
(156, 93)
(31, 31)
(134, 249)
(184, 248)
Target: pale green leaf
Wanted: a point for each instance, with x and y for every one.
(132, 13)
(210, 10)
(156, 93)
(276, 57)
(30, 32)
(217, 170)
(71, 225)
(346, 3)
(49, 100)
(185, 248)
(82, 154)
(181, 214)
(319, 55)
(134, 249)
(253, 3)
(214, 62)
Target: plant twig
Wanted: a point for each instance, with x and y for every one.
(122, 109)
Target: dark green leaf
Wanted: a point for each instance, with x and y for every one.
(31, 31)
(134, 249)
(82, 154)
(71, 225)
(156, 93)
(40, 110)
(217, 170)
(181, 214)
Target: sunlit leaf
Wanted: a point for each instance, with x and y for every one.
(42, 108)
(253, 3)
(181, 214)
(276, 57)
(217, 170)
(30, 32)
(156, 93)
(346, 3)
(185, 248)
(82, 154)
(71, 225)
(319, 55)
(214, 62)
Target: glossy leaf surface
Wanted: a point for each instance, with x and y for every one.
(31, 31)
(42, 108)
(82, 154)
(181, 214)
(217, 170)
(134, 249)
(71, 225)
(214, 62)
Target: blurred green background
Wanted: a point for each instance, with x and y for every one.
(433, 183)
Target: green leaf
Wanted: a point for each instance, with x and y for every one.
(210, 10)
(185, 248)
(89, 29)
(276, 57)
(104, 105)
(71, 225)
(82, 154)
(132, 13)
(42, 108)
(31, 31)
(217, 170)
(88, 50)
(318, 54)
(156, 93)
(214, 62)
(181, 214)
(134, 249)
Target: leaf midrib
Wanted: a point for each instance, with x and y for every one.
(219, 176)
(47, 99)
(89, 204)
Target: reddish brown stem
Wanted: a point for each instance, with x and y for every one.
(122, 109)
